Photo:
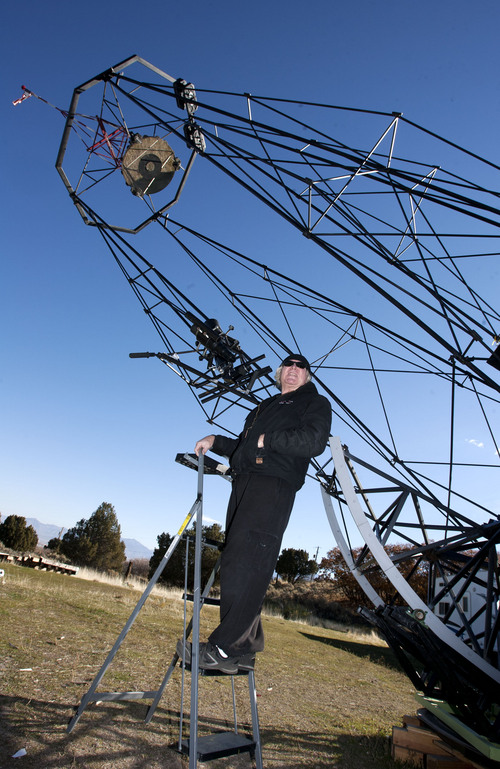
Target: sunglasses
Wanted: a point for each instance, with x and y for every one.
(297, 363)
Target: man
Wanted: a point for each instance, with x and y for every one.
(268, 461)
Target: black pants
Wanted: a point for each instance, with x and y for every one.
(257, 516)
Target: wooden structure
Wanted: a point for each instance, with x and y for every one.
(34, 561)
(422, 741)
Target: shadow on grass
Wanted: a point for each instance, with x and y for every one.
(365, 752)
(317, 750)
(109, 736)
(380, 655)
(114, 735)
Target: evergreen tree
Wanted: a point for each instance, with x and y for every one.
(173, 573)
(96, 542)
(175, 565)
(293, 565)
(15, 534)
(54, 544)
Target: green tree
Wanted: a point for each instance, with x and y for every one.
(174, 567)
(174, 571)
(96, 541)
(54, 544)
(293, 565)
(15, 534)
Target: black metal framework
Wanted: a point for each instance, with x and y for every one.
(457, 558)
(454, 550)
(437, 671)
(331, 192)
(390, 300)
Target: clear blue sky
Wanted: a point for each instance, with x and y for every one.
(80, 422)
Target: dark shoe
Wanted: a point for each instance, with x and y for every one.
(211, 659)
(246, 662)
(183, 649)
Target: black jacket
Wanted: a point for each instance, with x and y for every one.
(296, 428)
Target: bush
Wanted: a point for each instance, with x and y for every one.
(310, 601)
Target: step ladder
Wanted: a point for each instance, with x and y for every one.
(197, 747)
(224, 743)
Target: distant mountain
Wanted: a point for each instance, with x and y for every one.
(134, 550)
(47, 531)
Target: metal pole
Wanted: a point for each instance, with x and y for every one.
(255, 719)
(183, 677)
(195, 647)
(186, 635)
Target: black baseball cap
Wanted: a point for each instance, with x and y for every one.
(299, 358)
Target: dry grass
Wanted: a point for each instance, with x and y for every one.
(326, 698)
(134, 583)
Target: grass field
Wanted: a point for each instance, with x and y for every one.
(326, 698)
